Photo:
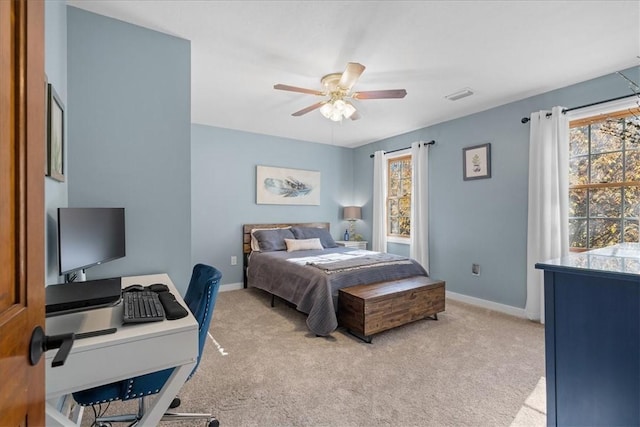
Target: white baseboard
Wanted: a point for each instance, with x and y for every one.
(231, 287)
(502, 308)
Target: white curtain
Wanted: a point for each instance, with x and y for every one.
(548, 224)
(379, 238)
(419, 248)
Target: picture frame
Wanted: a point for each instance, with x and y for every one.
(45, 121)
(282, 186)
(476, 162)
(55, 135)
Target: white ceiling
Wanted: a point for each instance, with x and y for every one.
(503, 50)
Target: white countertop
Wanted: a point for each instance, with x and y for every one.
(621, 258)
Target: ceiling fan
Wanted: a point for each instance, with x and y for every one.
(337, 86)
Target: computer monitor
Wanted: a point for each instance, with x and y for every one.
(88, 237)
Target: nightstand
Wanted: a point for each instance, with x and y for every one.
(359, 244)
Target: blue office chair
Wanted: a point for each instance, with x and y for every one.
(200, 298)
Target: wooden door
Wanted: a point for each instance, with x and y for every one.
(22, 142)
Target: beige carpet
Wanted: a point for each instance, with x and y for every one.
(534, 411)
(473, 367)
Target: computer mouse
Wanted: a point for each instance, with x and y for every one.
(158, 287)
(134, 288)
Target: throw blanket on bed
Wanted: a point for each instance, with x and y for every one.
(357, 260)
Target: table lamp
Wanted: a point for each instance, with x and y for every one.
(352, 214)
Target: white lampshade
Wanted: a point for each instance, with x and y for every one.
(349, 109)
(326, 110)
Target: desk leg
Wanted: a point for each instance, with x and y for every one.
(169, 391)
(55, 418)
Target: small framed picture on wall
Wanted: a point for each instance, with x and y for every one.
(476, 162)
(55, 135)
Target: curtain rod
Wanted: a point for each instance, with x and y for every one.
(406, 148)
(566, 110)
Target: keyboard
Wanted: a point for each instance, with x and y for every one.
(141, 306)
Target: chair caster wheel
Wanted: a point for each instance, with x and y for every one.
(175, 403)
(214, 423)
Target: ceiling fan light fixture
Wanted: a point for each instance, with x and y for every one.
(326, 110)
(336, 116)
(339, 104)
(349, 109)
(337, 110)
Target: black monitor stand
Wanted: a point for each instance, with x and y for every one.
(76, 276)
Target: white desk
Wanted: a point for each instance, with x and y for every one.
(133, 350)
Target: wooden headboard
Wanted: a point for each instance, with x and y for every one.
(246, 238)
(246, 231)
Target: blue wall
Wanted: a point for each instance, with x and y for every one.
(223, 177)
(55, 64)
(483, 221)
(129, 113)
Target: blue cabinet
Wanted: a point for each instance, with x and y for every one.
(592, 337)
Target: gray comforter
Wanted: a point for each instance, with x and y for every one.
(313, 289)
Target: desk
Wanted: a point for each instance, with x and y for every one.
(133, 350)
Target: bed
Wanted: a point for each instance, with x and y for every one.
(302, 264)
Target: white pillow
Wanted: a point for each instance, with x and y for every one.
(302, 244)
(254, 242)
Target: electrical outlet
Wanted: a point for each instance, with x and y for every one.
(234, 260)
(475, 269)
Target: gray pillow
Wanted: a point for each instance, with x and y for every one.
(315, 232)
(273, 240)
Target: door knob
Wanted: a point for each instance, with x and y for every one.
(41, 343)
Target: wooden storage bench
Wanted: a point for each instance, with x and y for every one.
(368, 309)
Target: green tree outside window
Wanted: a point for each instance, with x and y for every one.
(604, 180)
(399, 197)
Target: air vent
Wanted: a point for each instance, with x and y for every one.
(460, 94)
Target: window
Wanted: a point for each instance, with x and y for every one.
(399, 197)
(604, 180)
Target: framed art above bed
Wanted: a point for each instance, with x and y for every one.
(281, 186)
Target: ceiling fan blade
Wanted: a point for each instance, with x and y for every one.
(350, 75)
(309, 108)
(298, 89)
(380, 94)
